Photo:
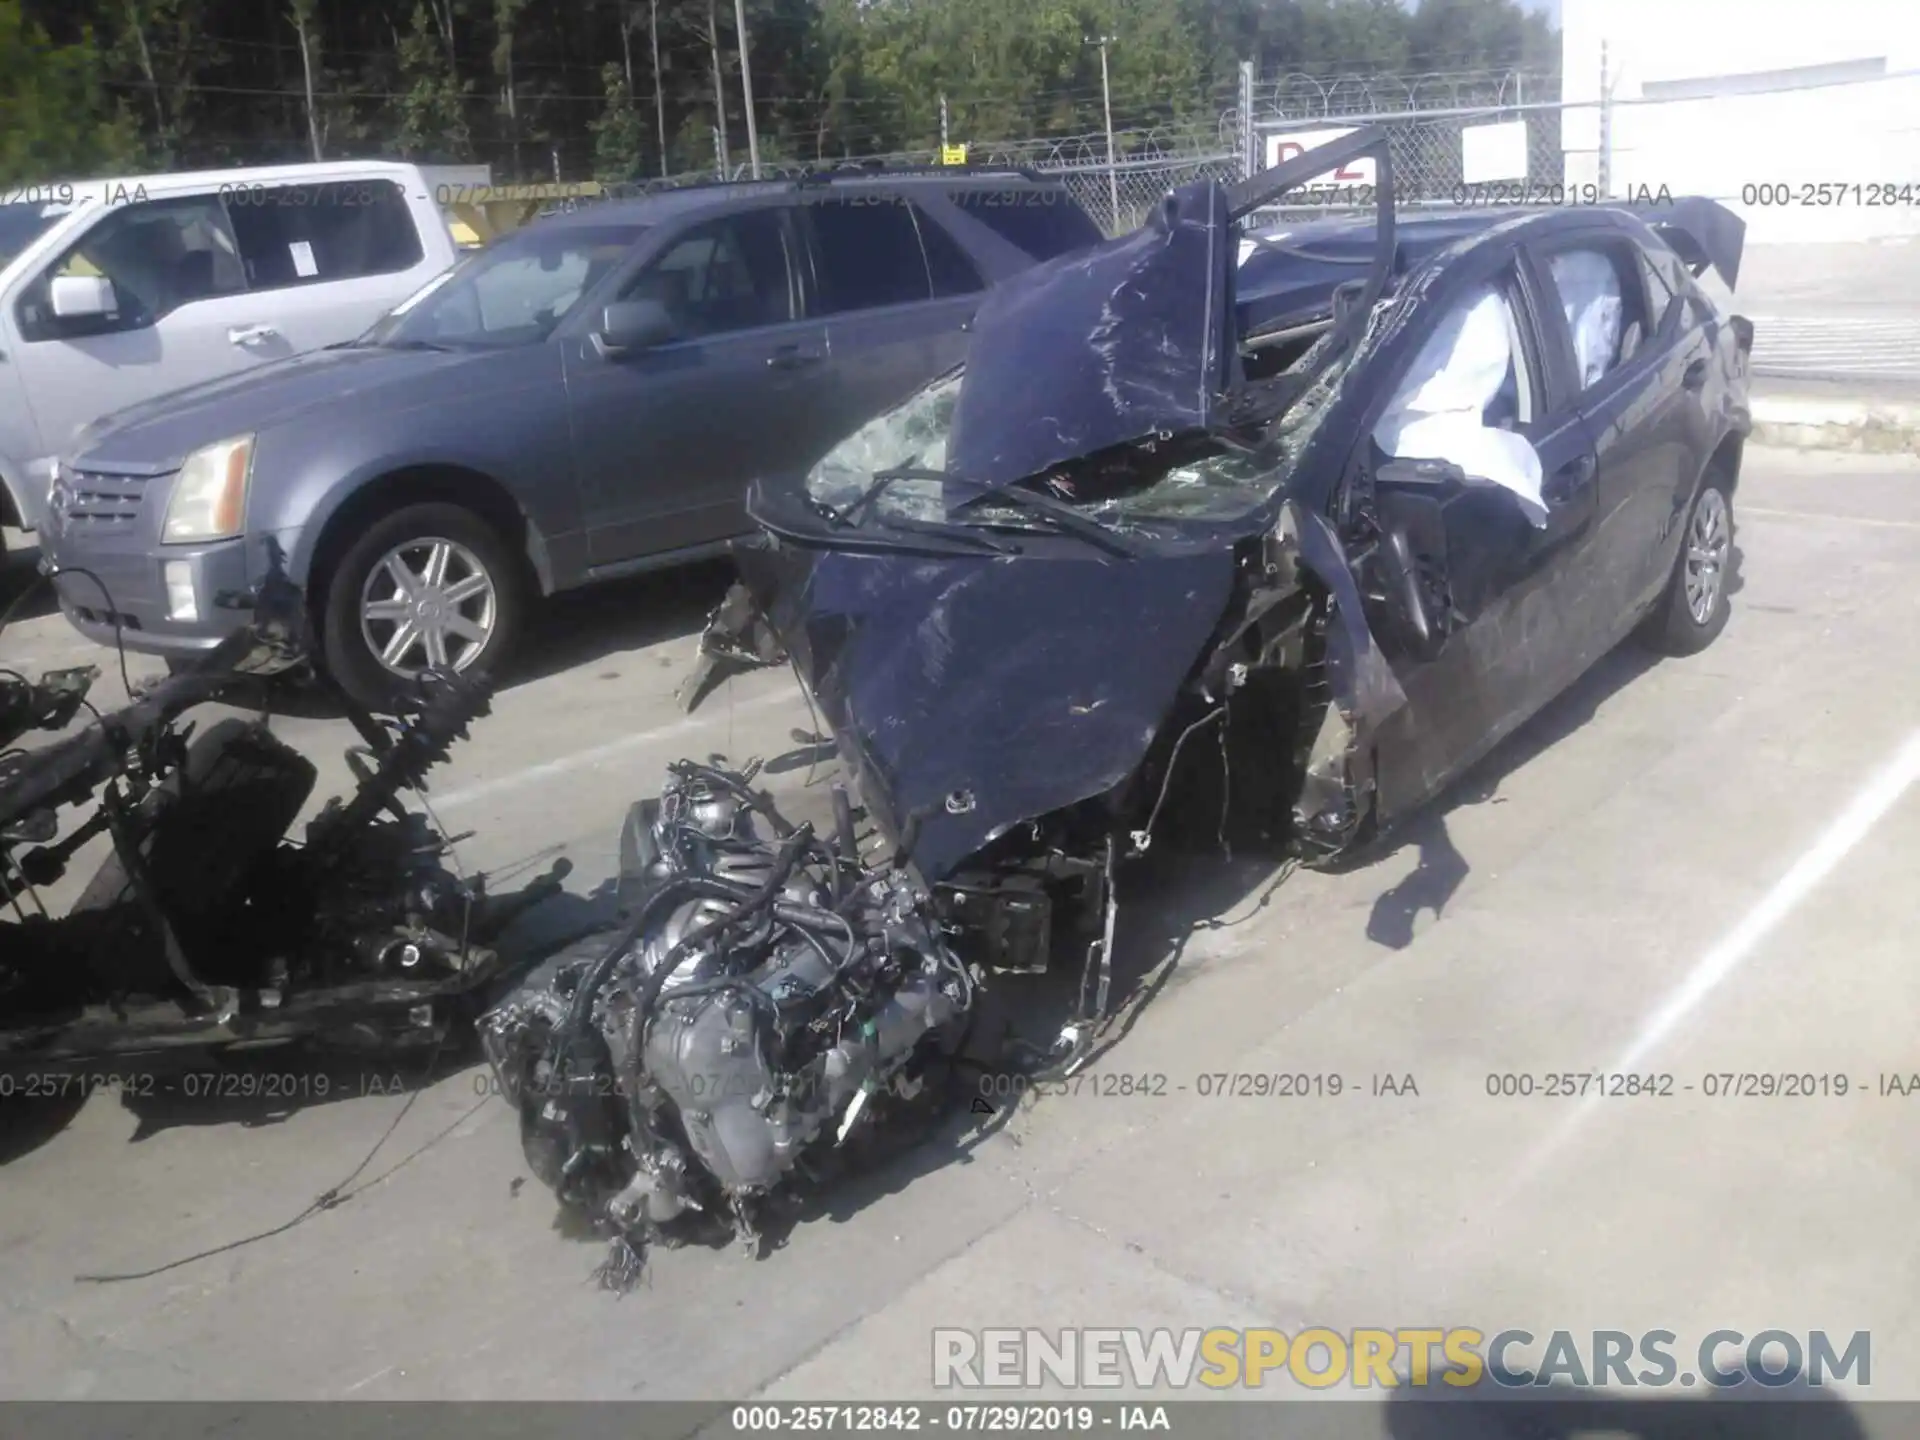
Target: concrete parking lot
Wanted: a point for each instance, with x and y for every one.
(1691, 868)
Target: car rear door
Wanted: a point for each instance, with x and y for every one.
(898, 293)
(667, 439)
(324, 261)
(1627, 367)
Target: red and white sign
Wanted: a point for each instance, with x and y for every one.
(1294, 143)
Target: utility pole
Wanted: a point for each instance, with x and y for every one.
(1249, 137)
(1605, 165)
(746, 85)
(943, 122)
(1106, 96)
(659, 85)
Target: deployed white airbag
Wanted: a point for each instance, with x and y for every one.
(1440, 410)
(1589, 289)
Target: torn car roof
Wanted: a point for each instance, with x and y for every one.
(1134, 339)
(1102, 347)
(1288, 272)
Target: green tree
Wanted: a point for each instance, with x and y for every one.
(506, 16)
(55, 123)
(619, 146)
(167, 47)
(433, 103)
(1479, 34)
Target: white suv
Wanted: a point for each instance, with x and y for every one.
(117, 291)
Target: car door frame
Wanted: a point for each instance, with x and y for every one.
(844, 324)
(1479, 687)
(1635, 510)
(613, 541)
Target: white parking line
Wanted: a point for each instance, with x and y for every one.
(1868, 808)
(1872, 520)
(601, 754)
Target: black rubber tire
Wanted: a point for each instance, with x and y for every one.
(1670, 628)
(349, 660)
(208, 830)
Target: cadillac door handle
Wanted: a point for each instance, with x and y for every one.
(793, 358)
(251, 334)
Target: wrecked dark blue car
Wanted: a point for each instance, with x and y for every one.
(1219, 530)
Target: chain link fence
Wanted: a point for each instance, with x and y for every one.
(1429, 154)
(1426, 117)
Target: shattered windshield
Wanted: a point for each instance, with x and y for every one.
(891, 469)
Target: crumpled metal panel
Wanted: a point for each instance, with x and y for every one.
(1363, 682)
(1101, 347)
(1010, 688)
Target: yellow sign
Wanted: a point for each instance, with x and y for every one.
(953, 154)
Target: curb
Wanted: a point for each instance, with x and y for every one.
(1863, 427)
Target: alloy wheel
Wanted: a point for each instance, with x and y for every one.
(1709, 539)
(428, 603)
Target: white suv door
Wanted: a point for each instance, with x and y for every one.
(210, 284)
(324, 260)
(178, 288)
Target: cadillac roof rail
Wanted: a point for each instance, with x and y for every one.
(859, 171)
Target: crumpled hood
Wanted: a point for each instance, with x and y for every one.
(970, 695)
(160, 433)
(1101, 347)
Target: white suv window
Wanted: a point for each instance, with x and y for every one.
(160, 255)
(312, 234)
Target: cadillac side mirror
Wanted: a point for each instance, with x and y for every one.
(82, 297)
(633, 325)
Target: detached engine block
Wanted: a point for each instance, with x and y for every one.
(767, 1003)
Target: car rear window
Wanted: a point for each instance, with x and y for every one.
(868, 253)
(952, 270)
(1043, 221)
(310, 234)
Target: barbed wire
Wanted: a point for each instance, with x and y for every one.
(1299, 94)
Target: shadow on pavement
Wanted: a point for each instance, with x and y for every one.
(1759, 1410)
(256, 1088)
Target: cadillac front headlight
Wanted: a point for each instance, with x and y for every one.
(210, 494)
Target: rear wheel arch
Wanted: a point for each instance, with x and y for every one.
(1725, 461)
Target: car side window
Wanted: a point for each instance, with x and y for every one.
(1044, 222)
(722, 276)
(867, 253)
(312, 234)
(157, 255)
(950, 267)
(1600, 295)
